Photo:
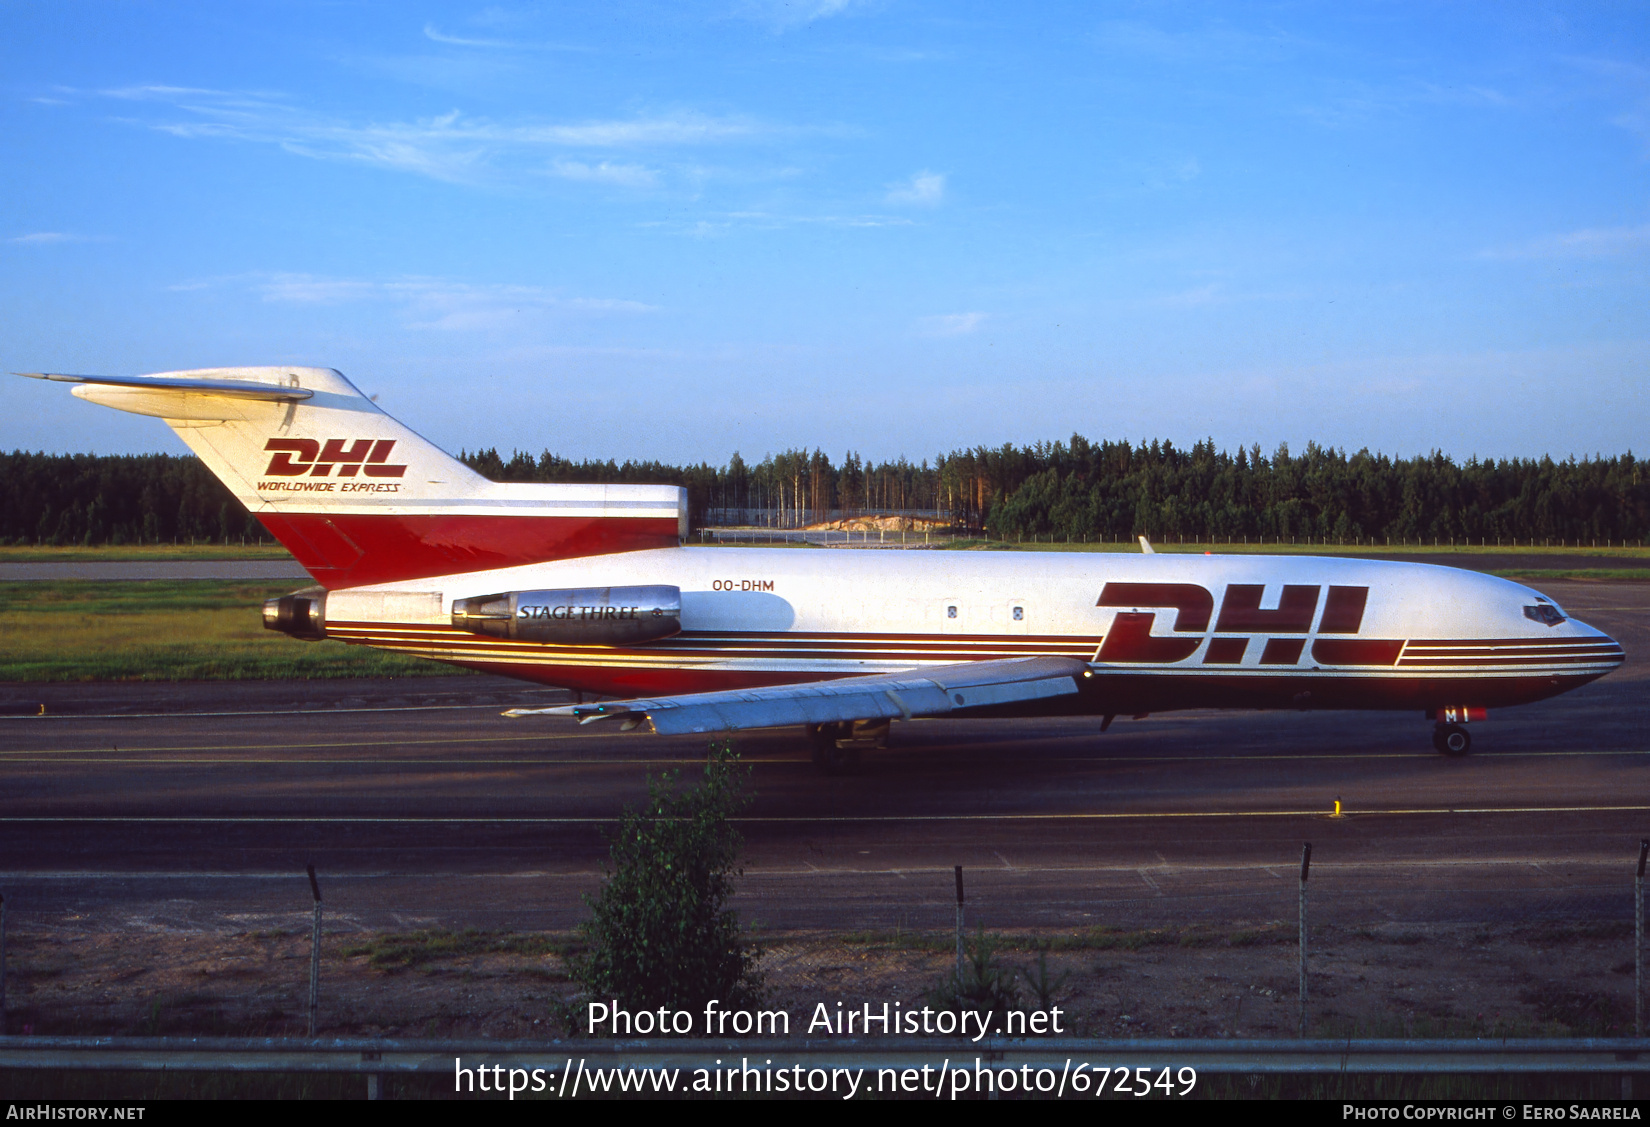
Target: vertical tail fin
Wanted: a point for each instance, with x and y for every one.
(359, 498)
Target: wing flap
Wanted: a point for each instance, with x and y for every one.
(928, 692)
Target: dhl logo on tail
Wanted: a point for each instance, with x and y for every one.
(294, 457)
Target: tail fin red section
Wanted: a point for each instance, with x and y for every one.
(351, 549)
(359, 498)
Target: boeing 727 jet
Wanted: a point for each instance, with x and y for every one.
(590, 587)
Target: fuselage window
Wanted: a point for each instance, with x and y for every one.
(951, 612)
(1019, 614)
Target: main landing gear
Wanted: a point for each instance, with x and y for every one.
(1452, 739)
(1449, 730)
(837, 747)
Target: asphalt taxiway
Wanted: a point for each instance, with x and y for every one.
(419, 804)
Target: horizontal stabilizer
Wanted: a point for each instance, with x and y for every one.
(929, 692)
(237, 389)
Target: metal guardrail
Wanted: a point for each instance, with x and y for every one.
(1615, 1056)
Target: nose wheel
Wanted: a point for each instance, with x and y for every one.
(1452, 740)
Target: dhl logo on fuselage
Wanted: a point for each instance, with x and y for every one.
(1130, 639)
(295, 457)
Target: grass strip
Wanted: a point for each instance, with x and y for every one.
(1630, 574)
(152, 553)
(166, 630)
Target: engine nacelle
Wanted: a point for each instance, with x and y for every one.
(303, 614)
(587, 616)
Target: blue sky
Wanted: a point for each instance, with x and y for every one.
(676, 230)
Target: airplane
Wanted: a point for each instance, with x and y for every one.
(592, 588)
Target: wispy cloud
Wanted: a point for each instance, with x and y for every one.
(1628, 83)
(1361, 102)
(606, 172)
(306, 289)
(783, 15)
(435, 35)
(1211, 43)
(40, 238)
(923, 189)
(1462, 94)
(670, 130)
(428, 303)
(951, 324)
(1591, 242)
(726, 222)
(453, 146)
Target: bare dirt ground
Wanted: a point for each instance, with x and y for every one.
(146, 978)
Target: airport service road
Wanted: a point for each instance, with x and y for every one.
(193, 805)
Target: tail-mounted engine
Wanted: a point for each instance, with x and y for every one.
(589, 616)
(303, 614)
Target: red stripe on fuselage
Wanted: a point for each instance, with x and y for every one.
(355, 549)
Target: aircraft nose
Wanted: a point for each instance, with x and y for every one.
(1621, 654)
(1597, 647)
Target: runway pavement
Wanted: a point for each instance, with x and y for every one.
(420, 804)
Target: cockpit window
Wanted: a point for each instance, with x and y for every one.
(1544, 613)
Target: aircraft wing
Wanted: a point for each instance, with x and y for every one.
(933, 691)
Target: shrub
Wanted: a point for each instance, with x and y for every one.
(984, 984)
(660, 933)
(1044, 983)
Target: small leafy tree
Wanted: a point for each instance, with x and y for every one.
(660, 933)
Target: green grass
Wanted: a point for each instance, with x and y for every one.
(1636, 574)
(187, 630)
(11, 553)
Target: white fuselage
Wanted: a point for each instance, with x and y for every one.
(1423, 636)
